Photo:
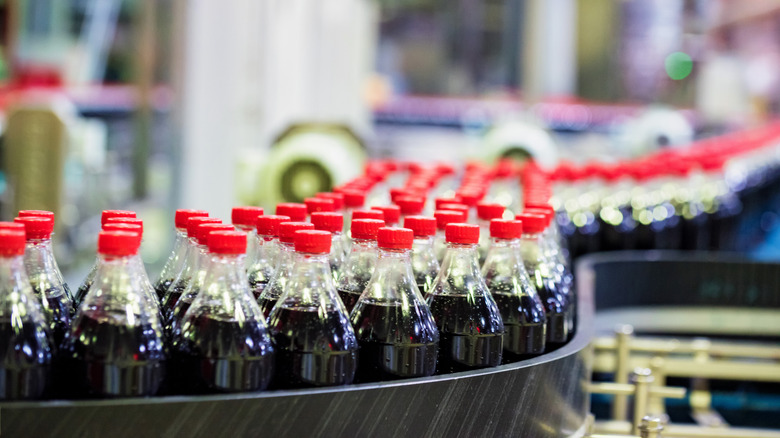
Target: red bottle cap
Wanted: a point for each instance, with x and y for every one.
(183, 215)
(115, 213)
(397, 192)
(13, 226)
(533, 222)
(337, 198)
(118, 243)
(354, 198)
(36, 213)
(328, 221)
(12, 242)
(391, 212)
(245, 216)
(268, 225)
(366, 228)
(422, 226)
(487, 211)
(126, 220)
(120, 226)
(314, 205)
(410, 204)
(536, 203)
(438, 202)
(193, 222)
(312, 241)
(296, 212)
(395, 238)
(547, 212)
(455, 207)
(506, 228)
(36, 227)
(471, 197)
(444, 217)
(287, 230)
(467, 234)
(227, 242)
(368, 214)
(203, 231)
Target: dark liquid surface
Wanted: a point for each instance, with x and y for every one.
(313, 350)
(25, 361)
(216, 355)
(162, 286)
(470, 332)
(57, 310)
(107, 358)
(349, 299)
(393, 345)
(524, 323)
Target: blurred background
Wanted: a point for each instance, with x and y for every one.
(153, 105)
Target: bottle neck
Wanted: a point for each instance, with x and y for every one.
(461, 258)
(39, 258)
(12, 273)
(311, 282)
(363, 245)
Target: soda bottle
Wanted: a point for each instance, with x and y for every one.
(353, 200)
(263, 266)
(245, 219)
(224, 344)
(314, 205)
(521, 308)
(295, 211)
(315, 343)
(25, 346)
(555, 304)
(81, 292)
(190, 267)
(470, 326)
(332, 223)
(49, 214)
(359, 266)
(281, 277)
(115, 347)
(390, 213)
(424, 263)
(175, 262)
(444, 217)
(45, 277)
(486, 212)
(395, 329)
(410, 206)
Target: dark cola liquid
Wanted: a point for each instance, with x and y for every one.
(25, 361)
(218, 355)
(311, 350)
(393, 345)
(162, 286)
(174, 316)
(173, 295)
(470, 332)
(524, 324)
(110, 358)
(266, 305)
(557, 316)
(349, 299)
(57, 310)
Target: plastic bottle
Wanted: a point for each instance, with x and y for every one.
(281, 277)
(359, 266)
(49, 214)
(245, 219)
(395, 329)
(390, 213)
(486, 212)
(332, 223)
(45, 277)
(470, 326)
(444, 217)
(424, 263)
(115, 346)
(353, 200)
(224, 344)
(263, 266)
(521, 308)
(315, 343)
(25, 346)
(295, 211)
(175, 262)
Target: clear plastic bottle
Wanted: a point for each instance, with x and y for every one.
(49, 214)
(395, 329)
(81, 292)
(315, 342)
(175, 262)
(25, 346)
(295, 211)
(224, 344)
(521, 308)
(262, 268)
(245, 219)
(486, 212)
(444, 217)
(278, 282)
(470, 326)
(332, 223)
(359, 266)
(424, 263)
(45, 277)
(543, 278)
(390, 213)
(115, 347)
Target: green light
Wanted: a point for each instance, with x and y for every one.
(678, 65)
